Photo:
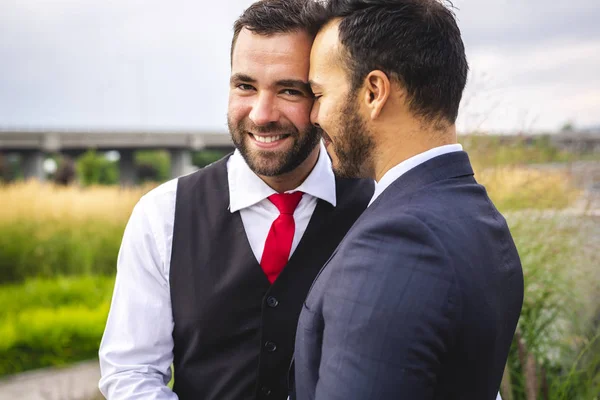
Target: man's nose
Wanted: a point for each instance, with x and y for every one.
(314, 114)
(264, 110)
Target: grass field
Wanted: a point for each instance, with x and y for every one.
(59, 247)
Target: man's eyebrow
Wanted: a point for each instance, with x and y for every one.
(242, 78)
(294, 83)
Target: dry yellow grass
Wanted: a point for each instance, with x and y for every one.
(509, 187)
(512, 187)
(32, 200)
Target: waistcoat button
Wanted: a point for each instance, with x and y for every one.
(272, 302)
(270, 346)
(265, 391)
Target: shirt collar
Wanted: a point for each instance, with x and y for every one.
(247, 189)
(396, 172)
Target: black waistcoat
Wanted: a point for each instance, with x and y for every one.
(234, 331)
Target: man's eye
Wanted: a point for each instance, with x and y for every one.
(244, 86)
(292, 92)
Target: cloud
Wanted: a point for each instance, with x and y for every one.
(156, 64)
(533, 64)
(518, 24)
(126, 63)
(536, 89)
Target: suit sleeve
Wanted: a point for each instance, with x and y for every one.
(390, 312)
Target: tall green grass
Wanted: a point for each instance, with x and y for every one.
(555, 353)
(47, 230)
(47, 249)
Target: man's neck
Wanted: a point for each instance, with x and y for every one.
(293, 179)
(392, 150)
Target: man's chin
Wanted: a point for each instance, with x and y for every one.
(342, 173)
(275, 161)
(348, 170)
(265, 164)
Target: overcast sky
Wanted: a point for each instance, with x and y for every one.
(535, 64)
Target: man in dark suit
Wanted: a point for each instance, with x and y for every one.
(422, 297)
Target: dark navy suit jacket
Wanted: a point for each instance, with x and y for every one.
(419, 301)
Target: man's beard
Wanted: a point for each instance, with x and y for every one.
(269, 162)
(353, 145)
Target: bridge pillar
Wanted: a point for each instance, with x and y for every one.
(33, 165)
(126, 168)
(181, 163)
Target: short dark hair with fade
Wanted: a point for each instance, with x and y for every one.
(268, 17)
(416, 42)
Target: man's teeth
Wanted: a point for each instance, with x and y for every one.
(267, 139)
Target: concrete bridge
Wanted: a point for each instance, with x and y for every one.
(35, 145)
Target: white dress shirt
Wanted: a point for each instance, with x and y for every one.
(410, 163)
(136, 351)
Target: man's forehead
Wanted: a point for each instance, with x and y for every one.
(326, 46)
(272, 58)
(277, 51)
(284, 43)
(326, 65)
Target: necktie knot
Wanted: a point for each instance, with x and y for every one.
(286, 203)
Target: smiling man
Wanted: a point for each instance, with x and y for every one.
(214, 266)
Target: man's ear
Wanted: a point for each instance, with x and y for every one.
(377, 87)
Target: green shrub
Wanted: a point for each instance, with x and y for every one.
(37, 293)
(152, 165)
(38, 338)
(94, 169)
(52, 322)
(205, 157)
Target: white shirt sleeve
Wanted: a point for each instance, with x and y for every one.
(136, 351)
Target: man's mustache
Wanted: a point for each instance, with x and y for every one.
(271, 128)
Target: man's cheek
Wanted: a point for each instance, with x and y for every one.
(300, 115)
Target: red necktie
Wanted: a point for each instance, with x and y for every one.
(279, 240)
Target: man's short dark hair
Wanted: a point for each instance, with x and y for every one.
(416, 42)
(268, 17)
